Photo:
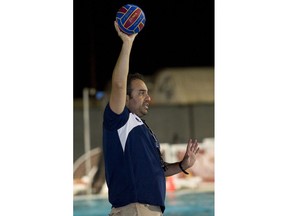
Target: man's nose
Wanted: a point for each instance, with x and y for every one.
(148, 98)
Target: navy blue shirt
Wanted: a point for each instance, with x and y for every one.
(132, 163)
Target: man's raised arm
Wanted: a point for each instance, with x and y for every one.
(119, 77)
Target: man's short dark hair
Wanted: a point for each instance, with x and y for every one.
(132, 77)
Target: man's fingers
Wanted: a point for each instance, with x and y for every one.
(196, 150)
(193, 145)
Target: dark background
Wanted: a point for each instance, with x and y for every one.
(176, 34)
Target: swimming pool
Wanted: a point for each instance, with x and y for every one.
(180, 203)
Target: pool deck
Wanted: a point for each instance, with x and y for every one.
(205, 187)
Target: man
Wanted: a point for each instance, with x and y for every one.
(135, 170)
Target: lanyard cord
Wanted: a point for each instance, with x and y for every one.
(157, 145)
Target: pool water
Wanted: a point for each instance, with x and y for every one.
(177, 204)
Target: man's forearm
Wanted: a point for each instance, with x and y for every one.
(173, 168)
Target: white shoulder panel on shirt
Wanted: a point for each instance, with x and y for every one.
(124, 131)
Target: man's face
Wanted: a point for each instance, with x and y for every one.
(139, 101)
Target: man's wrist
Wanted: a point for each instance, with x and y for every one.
(183, 170)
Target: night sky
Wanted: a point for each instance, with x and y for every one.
(176, 34)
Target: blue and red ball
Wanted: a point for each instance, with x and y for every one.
(130, 19)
